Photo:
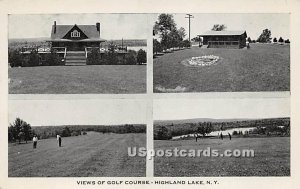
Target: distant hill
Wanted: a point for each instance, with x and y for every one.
(197, 120)
(128, 42)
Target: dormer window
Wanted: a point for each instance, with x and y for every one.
(75, 33)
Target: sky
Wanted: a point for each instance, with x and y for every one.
(113, 26)
(221, 108)
(254, 24)
(78, 112)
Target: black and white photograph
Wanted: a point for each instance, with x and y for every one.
(77, 138)
(222, 137)
(214, 52)
(77, 53)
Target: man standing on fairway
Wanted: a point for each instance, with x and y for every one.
(34, 139)
(229, 136)
(59, 140)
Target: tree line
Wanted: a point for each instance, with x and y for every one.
(263, 126)
(20, 130)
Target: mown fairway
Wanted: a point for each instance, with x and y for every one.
(78, 79)
(272, 158)
(263, 67)
(92, 155)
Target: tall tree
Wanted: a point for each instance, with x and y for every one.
(19, 130)
(218, 27)
(181, 33)
(265, 36)
(164, 25)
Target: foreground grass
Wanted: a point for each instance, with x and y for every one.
(263, 67)
(78, 79)
(90, 155)
(272, 158)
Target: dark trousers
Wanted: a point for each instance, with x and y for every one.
(59, 142)
(34, 144)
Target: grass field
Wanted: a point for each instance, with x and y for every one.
(112, 79)
(263, 67)
(272, 158)
(92, 155)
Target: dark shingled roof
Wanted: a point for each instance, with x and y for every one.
(89, 30)
(217, 33)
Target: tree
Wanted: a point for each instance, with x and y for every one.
(181, 33)
(141, 56)
(20, 130)
(287, 41)
(66, 132)
(218, 27)
(163, 133)
(249, 40)
(265, 36)
(164, 25)
(204, 128)
(156, 46)
(275, 40)
(280, 40)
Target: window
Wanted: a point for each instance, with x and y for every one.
(75, 33)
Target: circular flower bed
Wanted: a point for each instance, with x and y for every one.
(205, 60)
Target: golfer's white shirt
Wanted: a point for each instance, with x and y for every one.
(35, 139)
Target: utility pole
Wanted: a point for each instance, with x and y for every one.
(189, 16)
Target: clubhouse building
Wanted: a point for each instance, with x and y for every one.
(75, 37)
(224, 39)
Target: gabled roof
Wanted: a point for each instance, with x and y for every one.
(216, 33)
(89, 30)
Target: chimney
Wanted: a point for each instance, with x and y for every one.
(98, 27)
(54, 27)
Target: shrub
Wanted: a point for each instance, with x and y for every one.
(280, 40)
(94, 58)
(33, 59)
(186, 43)
(287, 41)
(15, 58)
(141, 56)
(162, 134)
(66, 132)
(52, 59)
(130, 57)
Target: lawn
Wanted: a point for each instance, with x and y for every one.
(263, 67)
(111, 79)
(91, 155)
(272, 158)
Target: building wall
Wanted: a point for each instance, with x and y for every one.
(225, 41)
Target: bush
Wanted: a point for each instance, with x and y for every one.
(94, 58)
(186, 43)
(130, 58)
(162, 134)
(141, 56)
(287, 41)
(66, 132)
(33, 59)
(15, 58)
(280, 40)
(52, 59)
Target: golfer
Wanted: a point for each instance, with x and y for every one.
(59, 140)
(34, 139)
